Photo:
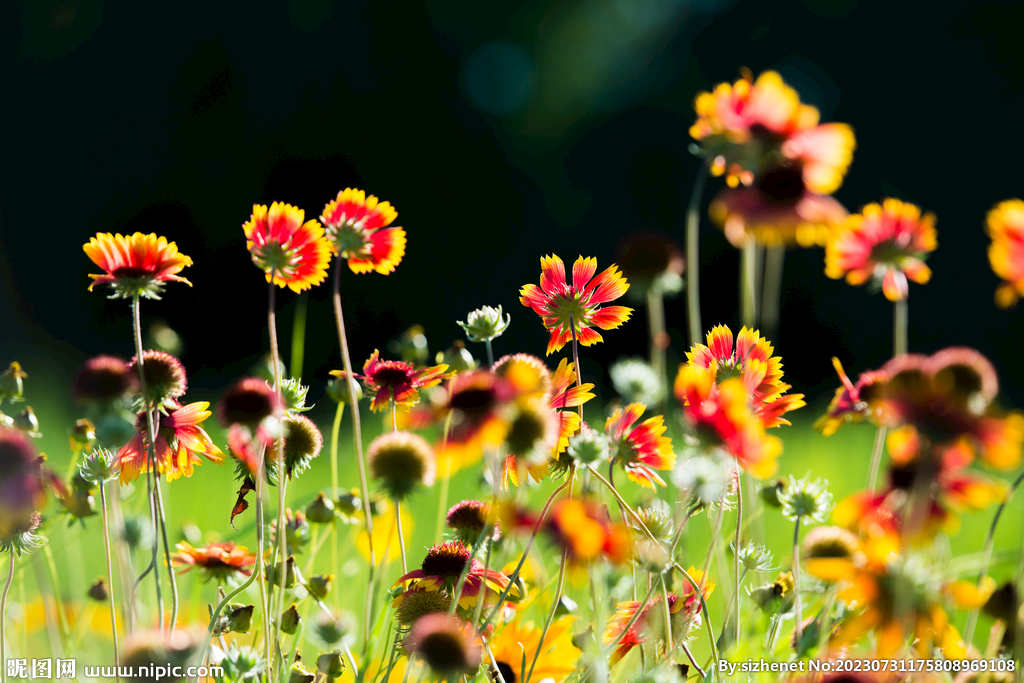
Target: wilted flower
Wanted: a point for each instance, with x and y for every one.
(806, 498)
(401, 461)
(249, 402)
(138, 265)
(218, 562)
(1005, 225)
(398, 381)
(484, 324)
(446, 644)
(640, 449)
(165, 377)
(358, 227)
(886, 243)
(636, 382)
(565, 307)
(178, 441)
(295, 253)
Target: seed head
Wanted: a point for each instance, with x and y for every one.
(468, 519)
(165, 377)
(401, 461)
(588, 447)
(419, 602)
(248, 402)
(636, 382)
(446, 645)
(103, 380)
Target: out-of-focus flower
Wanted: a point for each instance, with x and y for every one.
(240, 663)
(468, 520)
(702, 480)
(652, 261)
(330, 630)
(411, 345)
(319, 585)
(640, 449)
(302, 442)
(829, 553)
(359, 229)
(564, 307)
(778, 210)
(249, 402)
(750, 360)
(636, 382)
(296, 253)
(103, 380)
(27, 422)
(401, 461)
(589, 448)
(447, 645)
(165, 377)
(398, 381)
(852, 402)
(457, 357)
(887, 243)
(808, 499)
(1005, 224)
(485, 324)
(337, 387)
(651, 623)
(220, 562)
(137, 265)
(99, 591)
(22, 537)
(586, 532)
(750, 124)
(557, 658)
(179, 440)
(721, 416)
(441, 569)
(296, 529)
(321, 510)
(12, 384)
(480, 402)
(150, 650)
(22, 489)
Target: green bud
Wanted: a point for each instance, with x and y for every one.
(320, 510)
(276, 572)
(457, 358)
(566, 605)
(27, 422)
(98, 466)
(320, 585)
(298, 674)
(485, 324)
(290, 620)
(238, 618)
(331, 664)
(11, 385)
(337, 388)
(349, 507)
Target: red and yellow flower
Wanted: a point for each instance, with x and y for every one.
(885, 243)
(586, 533)
(136, 265)
(294, 252)
(179, 440)
(651, 623)
(358, 227)
(640, 449)
(441, 569)
(752, 361)
(852, 402)
(398, 381)
(1005, 225)
(721, 416)
(217, 561)
(749, 124)
(557, 658)
(567, 307)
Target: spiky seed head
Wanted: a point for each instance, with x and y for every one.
(418, 602)
(445, 644)
(165, 377)
(99, 466)
(468, 519)
(249, 401)
(401, 461)
(703, 480)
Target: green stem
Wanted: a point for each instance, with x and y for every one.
(668, 615)
(692, 254)
(299, 334)
(442, 504)
(736, 549)
(357, 429)
(282, 466)
(771, 294)
(110, 576)
(167, 551)
(797, 629)
(401, 536)
(900, 327)
(58, 601)
(748, 286)
(659, 339)
(335, 430)
(3, 613)
(876, 458)
(990, 540)
(490, 353)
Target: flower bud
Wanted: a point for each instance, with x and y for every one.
(98, 466)
(275, 573)
(349, 506)
(485, 324)
(27, 422)
(330, 664)
(320, 510)
(290, 620)
(98, 591)
(457, 358)
(330, 630)
(11, 385)
(337, 388)
(320, 585)
(82, 435)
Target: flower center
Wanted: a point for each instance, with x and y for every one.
(392, 374)
(784, 185)
(507, 673)
(447, 560)
(350, 238)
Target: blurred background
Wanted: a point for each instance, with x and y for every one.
(500, 132)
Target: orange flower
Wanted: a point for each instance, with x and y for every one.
(441, 569)
(753, 362)
(357, 227)
(557, 658)
(586, 532)
(641, 449)
(886, 243)
(722, 417)
(778, 209)
(217, 561)
(852, 402)
(295, 253)
(1005, 225)
(398, 381)
(565, 307)
(179, 438)
(650, 624)
(748, 124)
(138, 265)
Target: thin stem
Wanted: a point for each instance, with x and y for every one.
(299, 334)
(736, 549)
(51, 570)
(401, 536)
(561, 572)
(167, 551)
(151, 456)
(357, 429)
(446, 477)
(659, 337)
(3, 613)
(693, 255)
(668, 615)
(797, 629)
(394, 414)
(748, 286)
(900, 327)
(576, 361)
(876, 458)
(990, 540)
(110, 575)
(771, 295)
(282, 466)
(490, 353)
(335, 429)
